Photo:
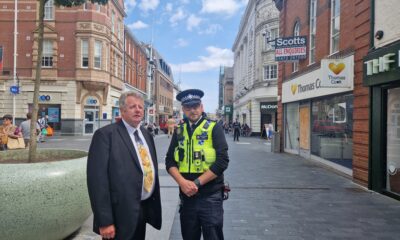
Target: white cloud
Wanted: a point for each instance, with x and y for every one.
(168, 7)
(212, 29)
(184, 1)
(178, 16)
(147, 5)
(138, 25)
(221, 6)
(182, 42)
(130, 5)
(216, 57)
(193, 21)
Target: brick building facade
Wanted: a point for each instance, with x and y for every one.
(323, 107)
(83, 63)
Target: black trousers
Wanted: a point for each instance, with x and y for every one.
(236, 134)
(202, 214)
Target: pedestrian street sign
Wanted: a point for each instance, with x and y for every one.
(14, 89)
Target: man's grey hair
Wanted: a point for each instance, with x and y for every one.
(124, 95)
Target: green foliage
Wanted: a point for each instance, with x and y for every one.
(71, 3)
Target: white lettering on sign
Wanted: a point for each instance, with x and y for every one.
(290, 41)
(381, 64)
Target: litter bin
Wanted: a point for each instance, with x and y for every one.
(276, 142)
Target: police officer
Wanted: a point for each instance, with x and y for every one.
(196, 159)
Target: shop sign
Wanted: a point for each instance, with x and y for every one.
(310, 86)
(228, 109)
(91, 101)
(161, 108)
(290, 48)
(268, 107)
(14, 89)
(151, 111)
(44, 98)
(337, 72)
(382, 65)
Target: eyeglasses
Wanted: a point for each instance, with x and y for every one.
(194, 107)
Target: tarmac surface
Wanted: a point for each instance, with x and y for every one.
(274, 196)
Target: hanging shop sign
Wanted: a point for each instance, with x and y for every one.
(337, 72)
(382, 65)
(267, 107)
(290, 48)
(228, 109)
(14, 89)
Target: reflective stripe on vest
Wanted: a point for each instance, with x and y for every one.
(197, 154)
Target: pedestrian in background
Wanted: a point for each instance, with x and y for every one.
(43, 131)
(122, 175)
(196, 159)
(236, 130)
(7, 130)
(171, 125)
(25, 127)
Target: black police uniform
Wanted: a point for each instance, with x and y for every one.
(203, 212)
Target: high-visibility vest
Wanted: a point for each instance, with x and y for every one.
(195, 154)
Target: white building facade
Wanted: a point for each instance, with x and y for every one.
(255, 70)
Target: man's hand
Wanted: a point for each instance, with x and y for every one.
(107, 232)
(189, 188)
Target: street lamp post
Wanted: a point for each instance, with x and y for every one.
(15, 55)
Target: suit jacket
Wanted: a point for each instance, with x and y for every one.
(115, 179)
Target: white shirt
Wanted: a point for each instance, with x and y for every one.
(131, 131)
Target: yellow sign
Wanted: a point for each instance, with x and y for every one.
(293, 87)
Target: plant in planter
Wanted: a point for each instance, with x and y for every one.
(43, 193)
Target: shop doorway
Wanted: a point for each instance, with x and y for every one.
(305, 128)
(393, 141)
(91, 121)
(291, 127)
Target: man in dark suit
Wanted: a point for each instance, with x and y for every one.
(122, 175)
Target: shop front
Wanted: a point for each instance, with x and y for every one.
(91, 115)
(318, 118)
(268, 113)
(50, 106)
(382, 75)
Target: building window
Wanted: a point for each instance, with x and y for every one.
(335, 25)
(112, 21)
(85, 6)
(48, 10)
(47, 58)
(271, 72)
(332, 129)
(116, 64)
(119, 29)
(98, 7)
(97, 54)
(313, 26)
(85, 53)
(270, 36)
(296, 32)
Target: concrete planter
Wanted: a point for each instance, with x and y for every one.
(46, 200)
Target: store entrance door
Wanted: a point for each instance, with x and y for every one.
(91, 121)
(305, 128)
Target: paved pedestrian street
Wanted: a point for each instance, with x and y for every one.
(275, 196)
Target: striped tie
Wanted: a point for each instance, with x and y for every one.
(145, 158)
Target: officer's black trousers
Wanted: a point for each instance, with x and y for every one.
(202, 214)
(236, 134)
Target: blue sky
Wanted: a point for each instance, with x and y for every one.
(194, 36)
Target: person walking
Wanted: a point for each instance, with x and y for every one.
(43, 125)
(7, 130)
(171, 125)
(196, 159)
(122, 175)
(236, 130)
(25, 127)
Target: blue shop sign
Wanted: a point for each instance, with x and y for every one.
(14, 89)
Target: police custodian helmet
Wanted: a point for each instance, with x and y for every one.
(190, 97)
